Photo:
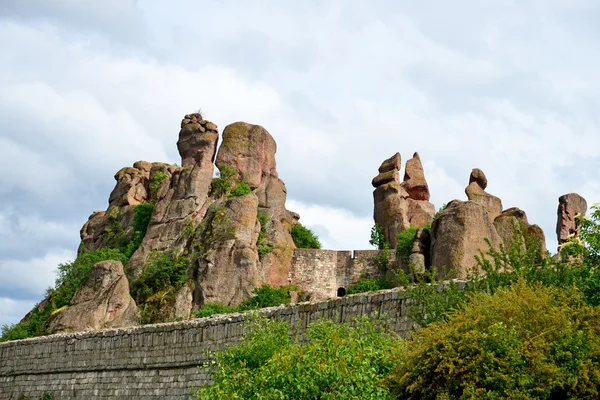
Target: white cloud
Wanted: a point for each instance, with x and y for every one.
(12, 311)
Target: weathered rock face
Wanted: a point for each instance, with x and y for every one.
(227, 263)
(401, 205)
(514, 230)
(182, 197)
(569, 207)
(414, 179)
(420, 257)
(108, 228)
(102, 302)
(458, 233)
(475, 192)
(250, 149)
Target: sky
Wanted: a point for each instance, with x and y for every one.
(88, 87)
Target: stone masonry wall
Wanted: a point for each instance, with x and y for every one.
(323, 272)
(159, 361)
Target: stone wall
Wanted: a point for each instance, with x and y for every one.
(322, 272)
(160, 361)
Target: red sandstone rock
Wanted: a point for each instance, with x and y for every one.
(569, 207)
(414, 179)
(475, 192)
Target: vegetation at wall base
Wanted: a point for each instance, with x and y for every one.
(336, 362)
(369, 284)
(305, 238)
(264, 296)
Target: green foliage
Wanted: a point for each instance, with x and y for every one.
(304, 238)
(590, 234)
(70, 278)
(377, 238)
(404, 243)
(372, 284)
(521, 342)
(336, 362)
(157, 179)
(163, 271)
(264, 296)
(214, 308)
(267, 296)
(241, 188)
(264, 247)
(221, 186)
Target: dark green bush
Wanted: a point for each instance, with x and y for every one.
(522, 342)
(336, 362)
(241, 188)
(163, 271)
(304, 238)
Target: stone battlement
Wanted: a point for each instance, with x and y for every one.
(161, 360)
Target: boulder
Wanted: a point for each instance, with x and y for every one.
(394, 163)
(476, 193)
(458, 234)
(391, 210)
(570, 206)
(102, 302)
(414, 179)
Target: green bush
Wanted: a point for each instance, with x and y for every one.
(241, 188)
(221, 186)
(156, 181)
(214, 308)
(372, 284)
(590, 234)
(163, 271)
(267, 296)
(336, 362)
(522, 342)
(377, 238)
(264, 247)
(404, 243)
(304, 238)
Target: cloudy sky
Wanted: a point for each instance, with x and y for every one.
(89, 86)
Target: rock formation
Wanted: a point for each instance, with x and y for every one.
(458, 234)
(401, 205)
(182, 196)
(570, 206)
(250, 149)
(102, 302)
(476, 192)
(420, 257)
(514, 230)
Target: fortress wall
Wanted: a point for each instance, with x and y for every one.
(159, 361)
(322, 272)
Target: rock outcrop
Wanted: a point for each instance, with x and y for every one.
(515, 231)
(399, 206)
(570, 206)
(250, 150)
(420, 257)
(102, 302)
(182, 194)
(476, 192)
(458, 234)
